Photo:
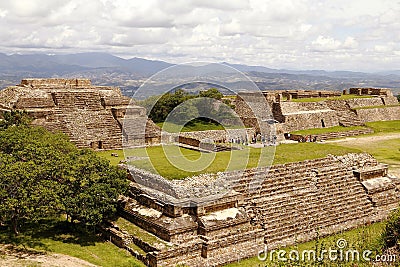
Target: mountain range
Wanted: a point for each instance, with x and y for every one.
(107, 69)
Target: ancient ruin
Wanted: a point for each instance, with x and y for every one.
(293, 203)
(92, 116)
(292, 116)
(100, 117)
(213, 219)
(235, 213)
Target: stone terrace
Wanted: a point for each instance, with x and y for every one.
(293, 116)
(277, 206)
(90, 115)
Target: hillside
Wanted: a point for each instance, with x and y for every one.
(129, 74)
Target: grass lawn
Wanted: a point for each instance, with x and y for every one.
(174, 162)
(328, 130)
(381, 106)
(362, 238)
(301, 151)
(138, 232)
(107, 155)
(183, 162)
(59, 237)
(318, 99)
(385, 151)
(379, 127)
(384, 126)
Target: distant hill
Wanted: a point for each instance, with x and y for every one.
(62, 64)
(107, 69)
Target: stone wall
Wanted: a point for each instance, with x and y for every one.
(90, 115)
(310, 120)
(292, 116)
(298, 107)
(327, 136)
(365, 102)
(371, 91)
(280, 205)
(390, 100)
(379, 114)
(253, 108)
(29, 103)
(43, 83)
(298, 115)
(220, 135)
(297, 94)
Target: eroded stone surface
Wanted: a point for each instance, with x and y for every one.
(92, 116)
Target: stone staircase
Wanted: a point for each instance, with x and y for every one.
(162, 234)
(278, 206)
(335, 135)
(347, 116)
(295, 201)
(221, 148)
(80, 115)
(383, 191)
(80, 99)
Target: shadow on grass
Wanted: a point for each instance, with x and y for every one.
(34, 235)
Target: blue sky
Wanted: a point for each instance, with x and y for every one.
(360, 35)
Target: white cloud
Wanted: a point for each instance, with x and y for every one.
(324, 44)
(3, 13)
(383, 48)
(277, 33)
(350, 43)
(223, 5)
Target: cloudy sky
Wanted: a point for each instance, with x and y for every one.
(297, 34)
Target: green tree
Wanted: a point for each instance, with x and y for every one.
(43, 174)
(14, 117)
(211, 93)
(31, 161)
(184, 113)
(90, 188)
(391, 234)
(158, 108)
(398, 98)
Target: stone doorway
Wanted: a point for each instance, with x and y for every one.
(96, 145)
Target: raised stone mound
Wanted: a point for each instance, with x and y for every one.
(370, 91)
(294, 116)
(327, 136)
(277, 206)
(90, 115)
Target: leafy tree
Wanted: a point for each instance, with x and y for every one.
(211, 93)
(43, 174)
(226, 115)
(91, 187)
(166, 103)
(14, 117)
(160, 107)
(206, 108)
(391, 234)
(30, 164)
(183, 113)
(398, 98)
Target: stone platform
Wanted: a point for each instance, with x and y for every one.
(92, 116)
(277, 206)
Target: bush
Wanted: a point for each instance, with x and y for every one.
(43, 174)
(391, 234)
